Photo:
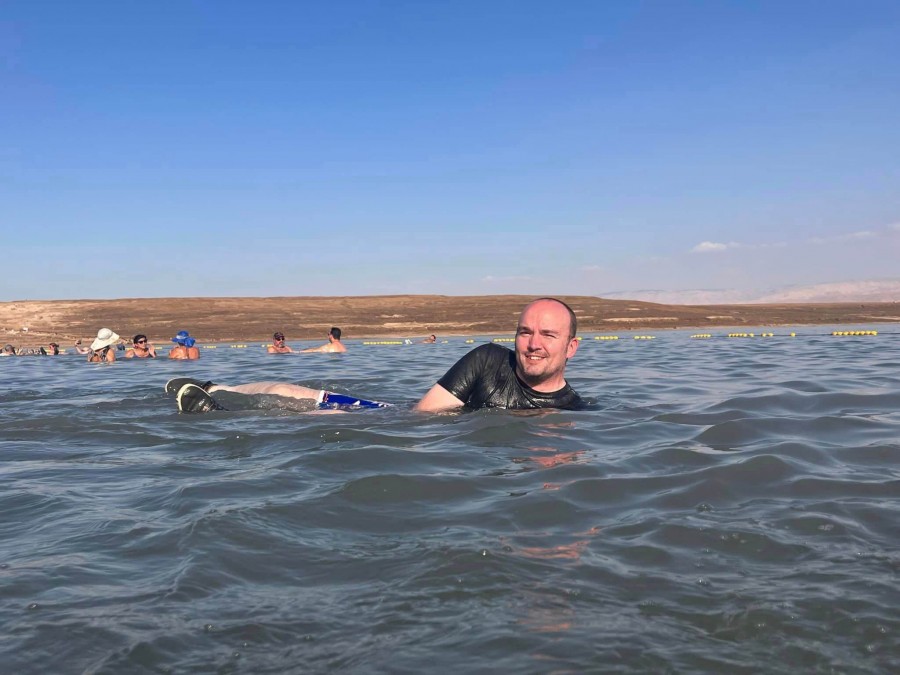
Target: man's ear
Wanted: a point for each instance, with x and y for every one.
(572, 348)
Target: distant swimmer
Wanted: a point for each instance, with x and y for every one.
(278, 346)
(141, 348)
(430, 340)
(492, 376)
(184, 349)
(102, 348)
(333, 345)
(52, 349)
(8, 350)
(30, 351)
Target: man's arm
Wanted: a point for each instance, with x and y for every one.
(322, 348)
(462, 378)
(438, 399)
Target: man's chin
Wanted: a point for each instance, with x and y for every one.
(532, 376)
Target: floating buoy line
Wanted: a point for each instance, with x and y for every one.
(595, 338)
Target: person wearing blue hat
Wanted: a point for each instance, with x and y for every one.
(184, 348)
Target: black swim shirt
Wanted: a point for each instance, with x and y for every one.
(486, 378)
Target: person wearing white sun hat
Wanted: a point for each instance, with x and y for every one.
(101, 347)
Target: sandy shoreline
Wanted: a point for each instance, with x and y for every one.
(254, 319)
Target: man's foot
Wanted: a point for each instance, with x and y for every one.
(193, 399)
(174, 385)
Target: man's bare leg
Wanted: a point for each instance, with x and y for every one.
(271, 389)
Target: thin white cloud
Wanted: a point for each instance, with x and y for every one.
(847, 237)
(894, 227)
(718, 247)
(713, 247)
(592, 268)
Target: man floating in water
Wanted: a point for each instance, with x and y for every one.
(490, 376)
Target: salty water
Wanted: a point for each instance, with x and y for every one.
(726, 505)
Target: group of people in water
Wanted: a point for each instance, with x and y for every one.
(489, 376)
(104, 347)
(333, 346)
(52, 349)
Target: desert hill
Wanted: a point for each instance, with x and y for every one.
(230, 319)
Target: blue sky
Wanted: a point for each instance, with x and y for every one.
(181, 148)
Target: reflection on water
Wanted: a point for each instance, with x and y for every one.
(724, 506)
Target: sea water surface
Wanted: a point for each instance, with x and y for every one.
(725, 505)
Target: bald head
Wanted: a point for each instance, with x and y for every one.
(573, 322)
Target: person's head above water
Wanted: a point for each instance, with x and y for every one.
(184, 339)
(545, 340)
(278, 345)
(335, 333)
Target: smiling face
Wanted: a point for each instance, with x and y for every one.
(543, 343)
